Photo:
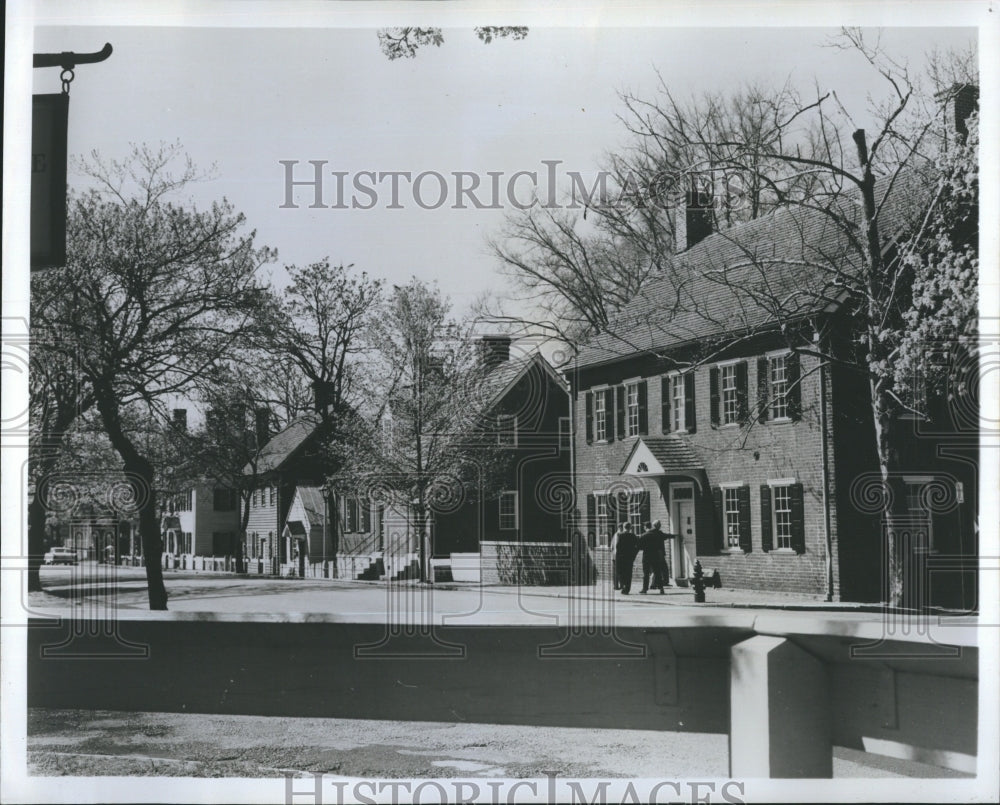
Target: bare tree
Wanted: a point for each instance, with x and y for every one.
(439, 443)
(153, 295)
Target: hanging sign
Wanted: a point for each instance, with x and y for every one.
(49, 119)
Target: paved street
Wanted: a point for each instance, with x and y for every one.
(94, 585)
(101, 743)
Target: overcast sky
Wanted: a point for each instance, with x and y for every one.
(244, 99)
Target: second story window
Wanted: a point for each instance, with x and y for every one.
(632, 409)
(779, 386)
(507, 430)
(677, 402)
(223, 500)
(730, 394)
(508, 511)
(601, 415)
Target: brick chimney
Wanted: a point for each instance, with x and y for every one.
(180, 419)
(494, 350)
(692, 212)
(323, 392)
(262, 420)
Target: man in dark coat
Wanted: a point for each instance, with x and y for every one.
(626, 548)
(654, 558)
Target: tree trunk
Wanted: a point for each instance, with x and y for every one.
(140, 476)
(36, 535)
(887, 461)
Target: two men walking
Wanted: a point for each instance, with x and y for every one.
(654, 558)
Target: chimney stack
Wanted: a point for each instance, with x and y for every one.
(263, 426)
(180, 419)
(692, 213)
(494, 350)
(323, 392)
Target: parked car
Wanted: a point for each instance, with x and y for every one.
(61, 556)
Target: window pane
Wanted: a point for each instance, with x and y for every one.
(732, 512)
(632, 410)
(677, 402)
(730, 401)
(779, 386)
(782, 516)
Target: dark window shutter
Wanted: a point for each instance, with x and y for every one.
(742, 402)
(766, 529)
(352, 515)
(591, 514)
(643, 410)
(713, 393)
(798, 519)
(609, 413)
(620, 395)
(644, 507)
(588, 403)
(794, 386)
(763, 383)
(366, 515)
(690, 418)
(665, 404)
(743, 495)
(719, 517)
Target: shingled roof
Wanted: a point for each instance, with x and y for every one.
(284, 443)
(725, 284)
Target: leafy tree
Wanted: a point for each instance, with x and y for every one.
(154, 294)
(403, 43)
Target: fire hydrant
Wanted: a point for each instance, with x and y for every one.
(699, 583)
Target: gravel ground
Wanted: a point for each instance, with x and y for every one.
(102, 743)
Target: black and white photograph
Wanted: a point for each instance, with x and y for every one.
(468, 402)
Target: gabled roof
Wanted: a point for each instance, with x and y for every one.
(666, 455)
(793, 254)
(284, 444)
(499, 381)
(312, 502)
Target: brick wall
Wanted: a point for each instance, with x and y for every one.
(750, 455)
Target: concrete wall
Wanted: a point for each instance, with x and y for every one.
(908, 698)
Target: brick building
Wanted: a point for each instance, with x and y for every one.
(725, 423)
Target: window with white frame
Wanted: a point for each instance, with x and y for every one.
(601, 415)
(601, 512)
(730, 394)
(507, 430)
(508, 511)
(782, 513)
(635, 512)
(632, 409)
(731, 509)
(778, 367)
(677, 403)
